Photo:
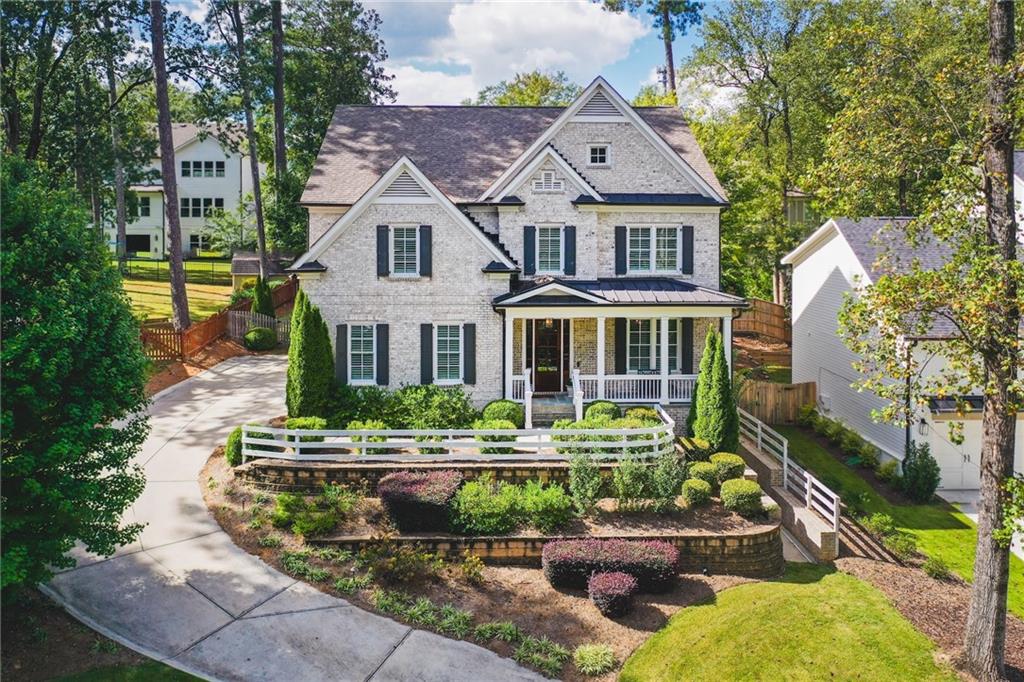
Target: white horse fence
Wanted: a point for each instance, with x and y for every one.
(814, 494)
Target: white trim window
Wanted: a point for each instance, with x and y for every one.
(599, 155)
(405, 260)
(549, 249)
(547, 181)
(654, 248)
(448, 353)
(143, 207)
(641, 346)
(362, 354)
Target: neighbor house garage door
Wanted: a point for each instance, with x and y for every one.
(138, 243)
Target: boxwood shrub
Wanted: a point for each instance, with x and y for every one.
(728, 465)
(418, 501)
(309, 423)
(602, 408)
(495, 424)
(612, 593)
(486, 507)
(546, 508)
(705, 471)
(570, 563)
(645, 414)
(233, 447)
(696, 492)
(367, 425)
(507, 410)
(697, 449)
(260, 338)
(742, 496)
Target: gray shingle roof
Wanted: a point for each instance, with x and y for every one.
(186, 132)
(462, 149)
(627, 291)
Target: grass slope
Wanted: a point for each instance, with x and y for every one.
(941, 530)
(144, 672)
(813, 624)
(152, 299)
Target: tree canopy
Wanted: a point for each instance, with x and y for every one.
(533, 89)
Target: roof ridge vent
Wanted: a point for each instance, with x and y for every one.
(405, 186)
(598, 105)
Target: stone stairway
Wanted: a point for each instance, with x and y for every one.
(549, 409)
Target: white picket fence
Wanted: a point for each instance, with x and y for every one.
(401, 445)
(815, 495)
(241, 321)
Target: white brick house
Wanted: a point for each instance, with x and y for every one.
(211, 176)
(484, 245)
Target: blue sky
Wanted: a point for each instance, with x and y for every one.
(442, 52)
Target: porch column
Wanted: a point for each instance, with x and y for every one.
(727, 341)
(508, 355)
(600, 358)
(663, 362)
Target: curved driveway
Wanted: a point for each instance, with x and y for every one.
(184, 593)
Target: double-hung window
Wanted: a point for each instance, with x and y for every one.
(642, 349)
(549, 249)
(186, 169)
(220, 169)
(448, 345)
(653, 249)
(361, 358)
(143, 207)
(208, 165)
(405, 251)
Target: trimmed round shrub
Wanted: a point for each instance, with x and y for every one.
(506, 410)
(850, 443)
(492, 425)
(697, 449)
(367, 425)
(570, 563)
(705, 471)
(921, 474)
(696, 492)
(602, 408)
(728, 465)
(233, 447)
(486, 507)
(742, 496)
(646, 414)
(869, 456)
(260, 338)
(888, 471)
(308, 423)
(546, 508)
(612, 593)
(418, 501)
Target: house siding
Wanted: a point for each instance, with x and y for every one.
(320, 222)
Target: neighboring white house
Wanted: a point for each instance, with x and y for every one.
(837, 260)
(210, 177)
(480, 246)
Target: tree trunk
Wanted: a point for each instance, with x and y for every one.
(666, 37)
(43, 58)
(120, 217)
(280, 157)
(179, 297)
(985, 637)
(250, 134)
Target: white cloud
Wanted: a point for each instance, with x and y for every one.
(415, 86)
(493, 41)
(195, 10)
(703, 99)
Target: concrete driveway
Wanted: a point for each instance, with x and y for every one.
(184, 594)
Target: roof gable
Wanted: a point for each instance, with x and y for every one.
(549, 155)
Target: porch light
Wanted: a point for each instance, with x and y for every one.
(548, 322)
(922, 427)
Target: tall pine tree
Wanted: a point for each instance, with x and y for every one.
(310, 363)
(703, 379)
(717, 419)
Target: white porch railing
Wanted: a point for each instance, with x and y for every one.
(814, 494)
(528, 398)
(401, 445)
(640, 388)
(577, 394)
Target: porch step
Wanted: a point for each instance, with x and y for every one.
(546, 411)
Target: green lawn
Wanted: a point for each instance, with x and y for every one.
(779, 374)
(941, 530)
(813, 624)
(151, 299)
(197, 270)
(144, 672)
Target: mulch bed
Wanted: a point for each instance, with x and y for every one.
(519, 594)
(938, 608)
(176, 371)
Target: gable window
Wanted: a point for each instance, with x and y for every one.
(186, 169)
(143, 210)
(208, 165)
(404, 251)
(549, 249)
(598, 155)
(653, 249)
(547, 182)
(448, 345)
(361, 357)
(220, 169)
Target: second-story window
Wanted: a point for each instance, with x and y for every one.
(186, 169)
(404, 251)
(220, 169)
(549, 249)
(653, 249)
(598, 155)
(143, 207)
(208, 169)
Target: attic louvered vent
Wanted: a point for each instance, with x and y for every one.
(404, 186)
(547, 182)
(599, 105)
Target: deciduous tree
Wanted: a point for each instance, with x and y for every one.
(533, 89)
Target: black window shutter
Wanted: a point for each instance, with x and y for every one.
(620, 345)
(341, 354)
(687, 239)
(686, 346)
(426, 256)
(426, 353)
(620, 250)
(529, 249)
(570, 249)
(383, 265)
(469, 354)
(382, 355)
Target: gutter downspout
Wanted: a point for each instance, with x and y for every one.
(908, 440)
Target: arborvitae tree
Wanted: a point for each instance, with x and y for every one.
(310, 366)
(717, 418)
(262, 299)
(707, 359)
(299, 310)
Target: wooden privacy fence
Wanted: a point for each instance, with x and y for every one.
(776, 403)
(161, 342)
(764, 318)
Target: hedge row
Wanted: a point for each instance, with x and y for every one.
(419, 501)
(570, 563)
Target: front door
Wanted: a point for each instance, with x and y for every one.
(547, 354)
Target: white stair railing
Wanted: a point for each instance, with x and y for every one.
(577, 393)
(528, 397)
